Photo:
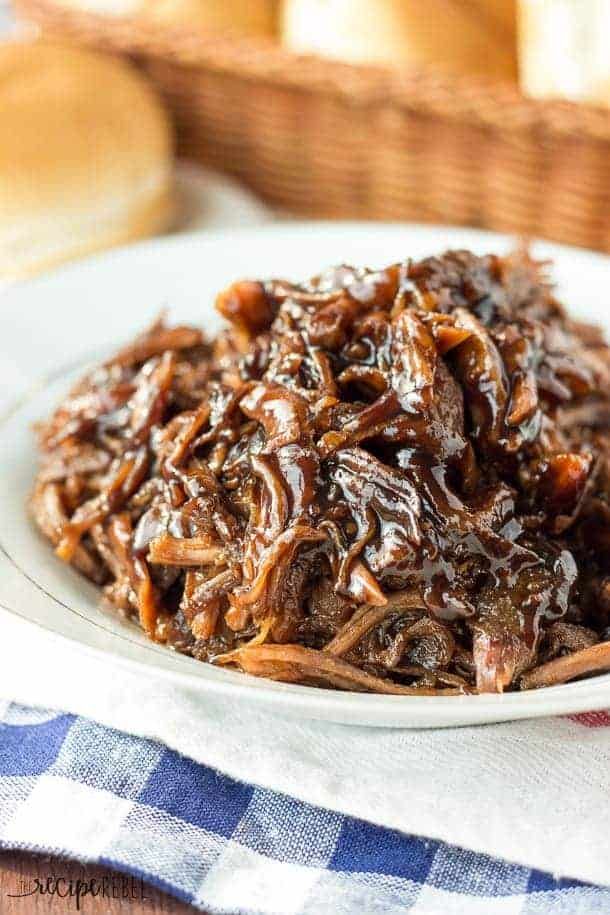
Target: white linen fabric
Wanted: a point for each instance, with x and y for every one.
(535, 793)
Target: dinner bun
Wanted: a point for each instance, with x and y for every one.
(563, 50)
(476, 37)
(85, 156)
(240, 17)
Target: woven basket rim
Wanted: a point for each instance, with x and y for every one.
(474, 100)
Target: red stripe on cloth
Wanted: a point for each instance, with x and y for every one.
(592, 719)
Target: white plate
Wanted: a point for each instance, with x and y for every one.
(209, 200)
(52, 327)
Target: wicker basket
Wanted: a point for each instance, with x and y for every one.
(327, 139)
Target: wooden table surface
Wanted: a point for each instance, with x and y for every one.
(20, 873)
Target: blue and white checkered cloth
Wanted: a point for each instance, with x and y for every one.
(71, 787)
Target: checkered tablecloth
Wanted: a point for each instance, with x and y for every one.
(74, 788)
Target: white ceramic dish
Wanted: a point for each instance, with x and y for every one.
(52, 327)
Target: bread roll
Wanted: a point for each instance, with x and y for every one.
(474, 37)
(85, 156)
(240, 17)
(564, 49)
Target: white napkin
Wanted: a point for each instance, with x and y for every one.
(535, 793)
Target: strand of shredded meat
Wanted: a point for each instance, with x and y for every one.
(392, 481)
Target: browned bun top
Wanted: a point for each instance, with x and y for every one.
(85, 155)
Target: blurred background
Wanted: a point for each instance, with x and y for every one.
(492, 113)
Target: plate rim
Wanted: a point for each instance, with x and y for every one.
(332, 705)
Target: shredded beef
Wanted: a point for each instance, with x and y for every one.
(393, 481)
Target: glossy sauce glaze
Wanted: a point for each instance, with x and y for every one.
(380, 480)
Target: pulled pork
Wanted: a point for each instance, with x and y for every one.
(393, 481)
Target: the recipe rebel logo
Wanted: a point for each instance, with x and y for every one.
(76, 890)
